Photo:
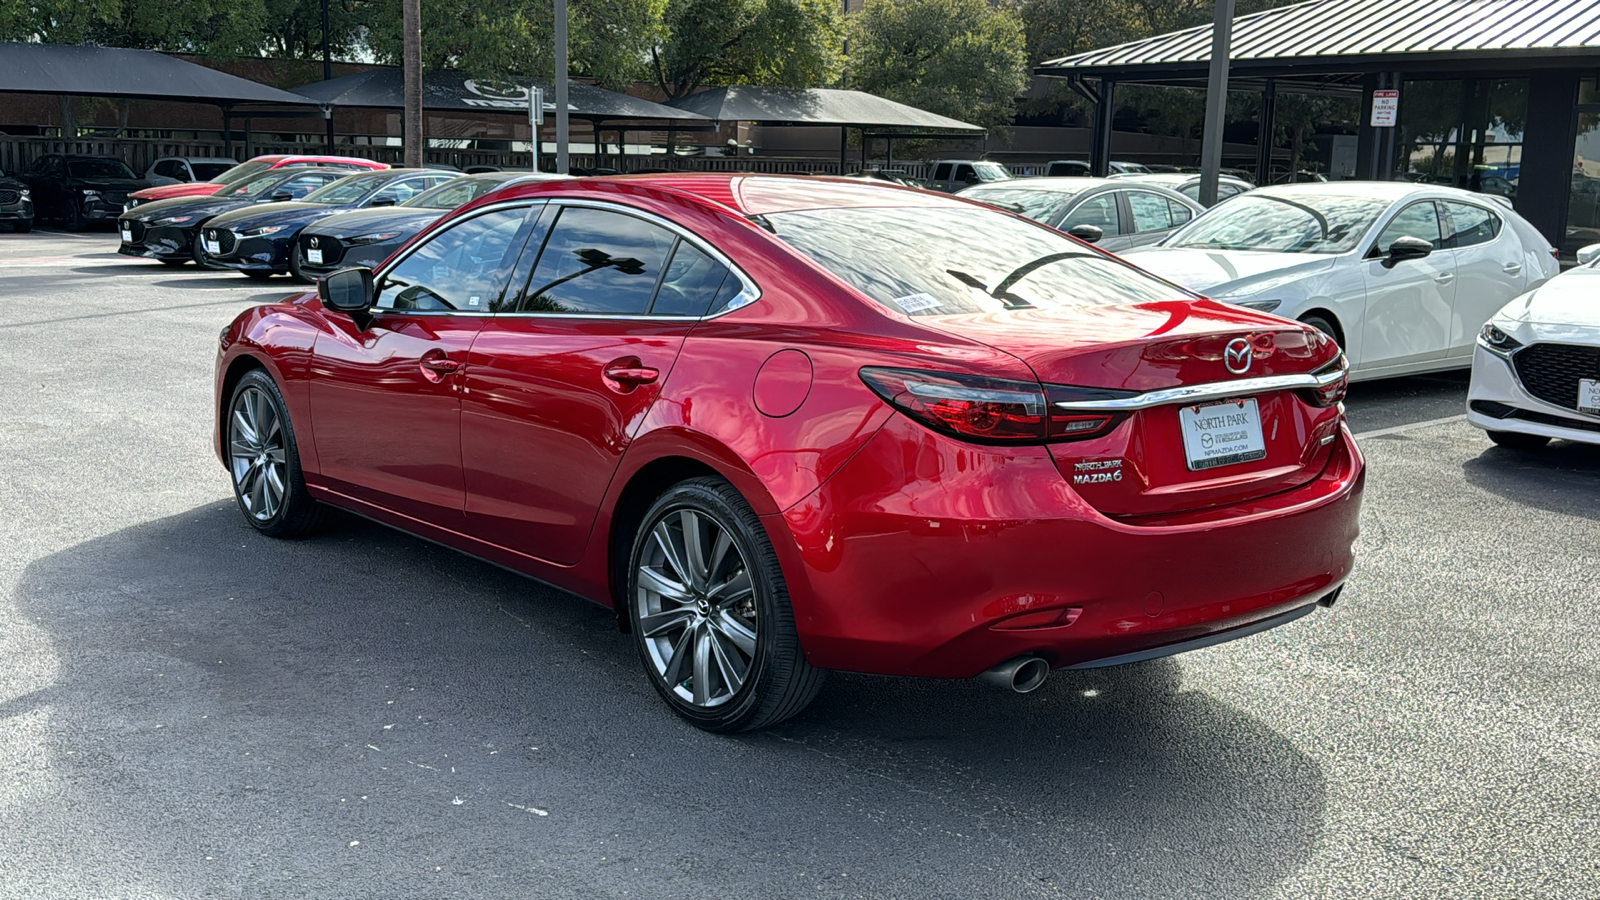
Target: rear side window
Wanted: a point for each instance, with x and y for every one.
(462, 268)
(1150, 212)
(692, 282)
(1181, 213)
(597, 261)
(939, 261)
(1471, 225)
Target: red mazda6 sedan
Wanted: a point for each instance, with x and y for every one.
(786, 425)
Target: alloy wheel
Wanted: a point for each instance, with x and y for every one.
(256, 453)
(697, 607)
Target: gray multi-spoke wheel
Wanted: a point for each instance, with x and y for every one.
(264, 462)
(710, 613)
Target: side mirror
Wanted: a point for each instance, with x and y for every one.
(382, 201)
(1589, 254)
(1089, 234)
(348, 291)
(1405, 248)
(281, 196)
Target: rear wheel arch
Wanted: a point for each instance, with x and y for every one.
(651, 481)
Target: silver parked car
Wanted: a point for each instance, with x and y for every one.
(1113, 213)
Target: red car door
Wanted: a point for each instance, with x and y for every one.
(558, 382)
(386, 393)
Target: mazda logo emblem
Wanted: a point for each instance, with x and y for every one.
(1237, 356)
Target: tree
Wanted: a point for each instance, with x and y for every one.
(788, 43)
(960, 58)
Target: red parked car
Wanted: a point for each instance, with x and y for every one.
(246, 169)
(785, 425)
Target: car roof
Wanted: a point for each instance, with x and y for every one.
(1053, 185)
(201, 159)
(740, 193)
(1390, 191)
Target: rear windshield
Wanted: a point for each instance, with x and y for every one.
(1042, 205)
(937, 261)
(98, 168)
(208, 171)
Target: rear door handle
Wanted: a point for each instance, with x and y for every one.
(628, 373)
(1512, 268)
(1444, 278)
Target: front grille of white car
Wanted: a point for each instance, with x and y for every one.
(1551, 372)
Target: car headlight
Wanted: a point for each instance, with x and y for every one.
(262, 231)
(1263, 305)
(1497, 341)
(27, 194)
(373, 238)
(173, 220)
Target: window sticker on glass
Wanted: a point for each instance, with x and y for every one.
(917, 302)
(473, 301)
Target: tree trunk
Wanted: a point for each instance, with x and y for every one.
(411, 61)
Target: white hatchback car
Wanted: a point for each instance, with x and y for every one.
(1536, 372)
(1402, 275)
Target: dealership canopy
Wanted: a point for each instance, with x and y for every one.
(447, 91)
(87, 71)
(816, 106)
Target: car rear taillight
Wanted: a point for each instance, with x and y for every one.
(988, 410)
(1332, 392)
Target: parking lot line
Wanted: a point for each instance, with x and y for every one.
(1398, 429)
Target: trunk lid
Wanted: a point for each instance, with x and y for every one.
(1158, 460)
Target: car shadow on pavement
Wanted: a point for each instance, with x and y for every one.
(1563, 477)
(287, 701)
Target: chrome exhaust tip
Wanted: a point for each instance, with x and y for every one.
(1022, 675)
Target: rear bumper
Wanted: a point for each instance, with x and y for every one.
(930, 557)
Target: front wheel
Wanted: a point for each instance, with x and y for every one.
(711, 615)
(296, 261)
(265, 462)
(1516, 440)
(74, 220)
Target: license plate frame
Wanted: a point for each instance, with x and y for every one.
(314, 255)
(127, 233)
(211, 245)
(1222, 434)
(1589, 396)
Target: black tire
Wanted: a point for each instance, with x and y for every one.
(22, 227)
(296, 254)
(1515, 440)
(1323, 325)
(777, 682)
(258, 276)
(256, 399)
(174, 262)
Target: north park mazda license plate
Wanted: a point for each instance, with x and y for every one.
(1589, 395)
(212, 246)
(1221, 434)
(127, 234)
(314, 256)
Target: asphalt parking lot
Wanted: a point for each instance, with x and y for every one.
(189, 710)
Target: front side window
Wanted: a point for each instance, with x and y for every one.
(1471, 225)
(1289, 223)
(1150, 212)
(597, 261)
(1100, 211)
(966, 174)
(464, 267)
(1419, 220)
(927, 261)
(941, 172)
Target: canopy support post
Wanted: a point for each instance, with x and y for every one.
(227, 130)
(1100, 149)
(1266, 130)
(844, 149)
(1216, 102)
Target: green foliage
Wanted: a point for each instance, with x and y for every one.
(784, 43)
(225, 26)
(960, 58)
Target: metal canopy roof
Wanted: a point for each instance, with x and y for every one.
(448, 91)
(90, 71)
(814, 106)
(1345, 35)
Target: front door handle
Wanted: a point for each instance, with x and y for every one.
(629, 372)
(435, 365)
(1444, 278)
(1512, 268)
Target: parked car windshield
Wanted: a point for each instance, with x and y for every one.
(931, 262)
(348, 189)
(455, 192)
(243, 171)
(208, 171)
(1305, 223)
(989, 171)
(1043, 205)
(98, 168)
(258, 185)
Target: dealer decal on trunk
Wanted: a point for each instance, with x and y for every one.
(1096, 471)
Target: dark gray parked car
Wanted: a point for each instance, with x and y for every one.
(16, 205)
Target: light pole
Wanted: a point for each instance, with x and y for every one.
(327, 73)
(561, 87)
(1216, 103)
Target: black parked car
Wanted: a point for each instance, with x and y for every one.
(16, 204)
(78, 190)
(169, 230)
(366, 237)
(257, 241)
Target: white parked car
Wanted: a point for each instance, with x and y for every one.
(186, 169)
(1402, 275)
(1536, 371)
(1188, 184)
